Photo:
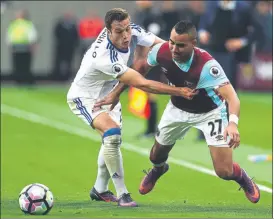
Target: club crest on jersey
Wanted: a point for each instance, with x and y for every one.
(189, 84)
(215, 71)
(117, 68)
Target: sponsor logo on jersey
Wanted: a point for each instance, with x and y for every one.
(189, 84)
(215, 71)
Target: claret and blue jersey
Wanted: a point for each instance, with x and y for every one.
(201, 72)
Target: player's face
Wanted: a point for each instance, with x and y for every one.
(181, 46)
(120, 34)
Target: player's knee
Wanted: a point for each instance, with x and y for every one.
(112, 138)
(101, 164)
(225, 173)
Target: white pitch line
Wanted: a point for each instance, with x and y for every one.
(88, 134)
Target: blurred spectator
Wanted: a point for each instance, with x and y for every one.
(22, 39)
(193, 12)
(170, 17)
(149, 18)
(227, 30)
(263, 15)
(89, 28)
(66, 41)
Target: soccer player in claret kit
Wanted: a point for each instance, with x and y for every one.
(103, 66)
(186, 65)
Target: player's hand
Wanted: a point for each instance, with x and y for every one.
(204, 37)
(188, 93)
(233, 45)
(232, 131)
(111, 98)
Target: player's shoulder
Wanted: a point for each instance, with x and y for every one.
(213, 68)
(137, 30)
(99, 47)
(107, 55)
(164, 53)
(108, 58)
(156, 47)
(202, 55)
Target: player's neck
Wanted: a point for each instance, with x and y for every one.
(187, 59)
(115, 46)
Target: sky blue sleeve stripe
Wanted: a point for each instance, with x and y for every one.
(152, 55)
(224, 115)
(215, 98)
(209, 80)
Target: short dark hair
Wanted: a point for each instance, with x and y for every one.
(115, 14)
(185, 26)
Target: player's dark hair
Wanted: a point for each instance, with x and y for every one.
(185, 26)
(115, 14)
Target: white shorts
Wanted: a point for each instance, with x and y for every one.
(84, 109)
(175, 123)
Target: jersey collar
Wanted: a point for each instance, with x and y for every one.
(185, 66)
(120, 50)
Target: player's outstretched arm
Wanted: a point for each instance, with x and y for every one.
(135, 79)
(113, 97)
(140, 64)
(229, 94)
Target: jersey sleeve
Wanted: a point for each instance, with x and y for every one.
(111, 64)
(152, 55)
(144, 38)
(212, 75)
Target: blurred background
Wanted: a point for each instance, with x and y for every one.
(64, 30)
(42, 44)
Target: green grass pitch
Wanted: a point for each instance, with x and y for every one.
(42, 141)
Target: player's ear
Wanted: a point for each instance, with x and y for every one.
(194, 42)
(109, 32)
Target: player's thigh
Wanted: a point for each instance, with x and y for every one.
(104, 122)
(98, 119)
(222, 159)
(213, 125)
(116, 114)
(173, 125)
(82, 108)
